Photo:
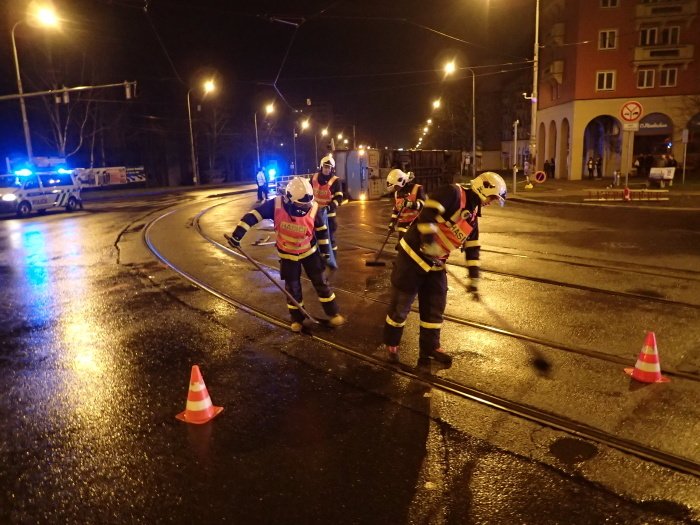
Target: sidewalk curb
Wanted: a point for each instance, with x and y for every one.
(626, 206)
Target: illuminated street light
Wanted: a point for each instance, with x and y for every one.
(450, 68)
(324, 132)
(429, 121)
(340, 136)
(207, 87)
(45, 16)
(425, 129)
(269, 109)
(304, 125)
(436, 103)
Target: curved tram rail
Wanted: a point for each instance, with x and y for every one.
(608, 265)
(510, 407)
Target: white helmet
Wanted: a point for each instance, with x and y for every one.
(328, 160)
(396, 177)
(489, 186)
(299, 193)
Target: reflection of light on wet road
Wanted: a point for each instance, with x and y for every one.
(37, 297)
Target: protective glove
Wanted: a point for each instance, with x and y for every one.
(327, 262)
(409, 205)
(233, 242)
(432, 250)
(391, 226)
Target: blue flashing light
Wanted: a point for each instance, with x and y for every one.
(272, 172)
(64, 171)
(24, 172)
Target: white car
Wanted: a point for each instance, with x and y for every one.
(25, 192)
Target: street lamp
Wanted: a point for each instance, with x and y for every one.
(533, 96)
(437, 103)
(324, 133)
(473, 159)
(45, 16)
(207, 87)
(304, 125)
(269, 108)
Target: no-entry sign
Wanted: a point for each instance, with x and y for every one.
(631, 111)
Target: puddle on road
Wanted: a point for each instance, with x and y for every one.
(572, 451)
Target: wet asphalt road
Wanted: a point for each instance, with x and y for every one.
(97, 342)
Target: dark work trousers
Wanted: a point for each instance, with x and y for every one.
(332, 227)
(262, 190)
(290, 272)
(408, 280)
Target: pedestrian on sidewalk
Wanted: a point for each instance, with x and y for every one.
(300, 233)
(599, 167)
(591, 166)
(449, 221)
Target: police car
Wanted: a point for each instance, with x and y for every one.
(26, 191)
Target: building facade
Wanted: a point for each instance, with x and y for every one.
(619, 81)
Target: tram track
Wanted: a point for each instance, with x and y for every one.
(493, 329)
(505, 405)
(582, 262)
(582, 287)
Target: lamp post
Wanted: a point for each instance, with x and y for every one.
(304, 125)
(45, 17)
(450, 68)
(473, 121)
(208, 87)
(533, 95)
(269, 108)
(324, 133)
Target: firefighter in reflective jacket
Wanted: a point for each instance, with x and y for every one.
(448, 221)
(409, 199)
(328, 193)
(300, 233)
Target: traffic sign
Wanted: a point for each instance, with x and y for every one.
(540, 177)
(631, 111)
(630, 126)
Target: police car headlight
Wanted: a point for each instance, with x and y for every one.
(9, 197)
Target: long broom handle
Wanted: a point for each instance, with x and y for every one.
(278, 285)
(392, 230)
(376, 257)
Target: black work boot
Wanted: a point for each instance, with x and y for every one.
(438, 355)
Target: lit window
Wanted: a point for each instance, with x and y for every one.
(605, 81)
(645, 78)
(668, 77)
(607, 39)
(608, 3)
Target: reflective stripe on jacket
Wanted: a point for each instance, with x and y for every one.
(408, 215)
(453, 232)
(294, 234)
(322, 192)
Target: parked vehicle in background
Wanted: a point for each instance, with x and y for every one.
(109, 176)
(26, 191)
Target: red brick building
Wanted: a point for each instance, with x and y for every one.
(618, 79)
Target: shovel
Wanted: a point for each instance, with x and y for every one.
(264, 272)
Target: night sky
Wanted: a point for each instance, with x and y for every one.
(376, 62)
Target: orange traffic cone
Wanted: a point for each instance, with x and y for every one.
(647, 369)
(199, 408)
